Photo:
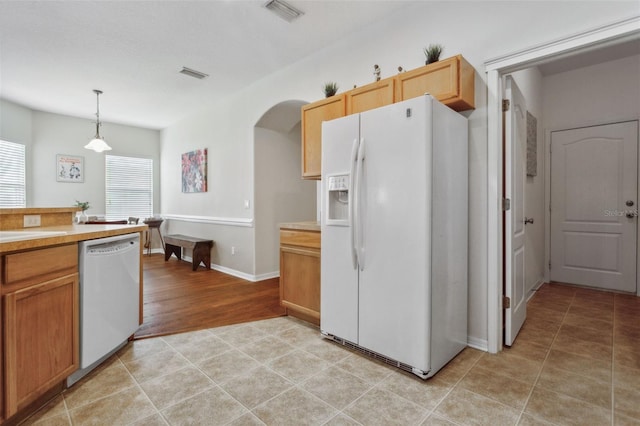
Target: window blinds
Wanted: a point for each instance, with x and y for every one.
(12, 175)
(129, 187)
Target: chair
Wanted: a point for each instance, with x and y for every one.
(133, 220)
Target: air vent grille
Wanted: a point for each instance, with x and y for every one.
(193, 73)
(283, 10)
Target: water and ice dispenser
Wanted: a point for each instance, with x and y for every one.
(338, 200)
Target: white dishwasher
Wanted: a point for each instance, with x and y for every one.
(109, 298)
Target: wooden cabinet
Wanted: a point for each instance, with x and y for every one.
(300, 273)
(451, 81)
(371, 96)
(39, 323)
(312, 117)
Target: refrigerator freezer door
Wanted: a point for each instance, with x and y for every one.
(394, 313)
(338, 274)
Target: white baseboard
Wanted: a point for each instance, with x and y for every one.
(480, 344)
(229, 271)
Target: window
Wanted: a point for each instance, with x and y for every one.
(129, 186)
(13, 192)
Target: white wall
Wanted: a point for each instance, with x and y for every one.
(530, 83)
(46, 135)
(478, 30)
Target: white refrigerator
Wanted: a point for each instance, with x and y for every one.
(394, 222)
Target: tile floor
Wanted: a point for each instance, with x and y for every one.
(575, 362)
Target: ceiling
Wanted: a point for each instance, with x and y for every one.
(54, 53)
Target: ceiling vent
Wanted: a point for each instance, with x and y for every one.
(193, 73)
(283, 10)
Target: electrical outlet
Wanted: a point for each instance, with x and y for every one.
(233, 251)
(31, 220)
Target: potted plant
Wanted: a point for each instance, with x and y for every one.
(330, 89)
(84, 206)
(432, 53)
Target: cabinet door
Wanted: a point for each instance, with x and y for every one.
(371, 96)
(312, 117)
(40, 339)
(451, 81)
(300, 280)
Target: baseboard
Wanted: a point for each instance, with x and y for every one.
(480, 344)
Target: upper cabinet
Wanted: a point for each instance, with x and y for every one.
(451, 81)
(371, 96)
(312, 117)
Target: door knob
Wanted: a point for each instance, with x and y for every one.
(528, 220)
(629, 203)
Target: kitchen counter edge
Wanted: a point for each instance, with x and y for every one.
(74, 233)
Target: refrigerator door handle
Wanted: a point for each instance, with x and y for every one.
(358, 202)
(352, 210)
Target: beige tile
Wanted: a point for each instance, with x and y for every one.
(590, 390)
(588, 322)
(455, 369)
(203, 348)
(327, 350)
(529, 420)
(294, 407)
(426, 393)
(176, 386)
(298, 365)
(247, 419)
(626, 401)
(256, 386)
(465, 407)
(341, 420)
(118, 409)
(54, 412)
(563, 409)
(141, 348)
(506, 390)
(511, 366)
(379, 407)
(435, 420)
(603, 337)
(300, 336)
(228, 365)
(152, 366)
(336, 387)
(154, 420)
(111, 377)
(598, 314)
(274, 325)
(527, 349)
(622, 420)
(182, 339)
(241, 335)
(266, 349)
(558, 304)
(211, 407)
(626, 377)
(540, 335)
(582, 365)
(365, 368)
(566, 343)
(541, 313)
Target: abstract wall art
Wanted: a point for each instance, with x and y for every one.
(194, 171)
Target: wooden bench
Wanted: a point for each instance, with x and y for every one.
(200, 249)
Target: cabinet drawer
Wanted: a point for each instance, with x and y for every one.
(300, 238)
(33, 266)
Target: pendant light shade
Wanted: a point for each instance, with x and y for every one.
(97, 143)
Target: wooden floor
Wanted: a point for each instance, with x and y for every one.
(177, 299)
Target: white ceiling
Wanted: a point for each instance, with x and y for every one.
(54, 53)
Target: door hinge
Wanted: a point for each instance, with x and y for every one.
(506, 104)
(506, 204)
(549, 264)
(506, 302)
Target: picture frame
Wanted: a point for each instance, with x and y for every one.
(69, 168)
(194, 171)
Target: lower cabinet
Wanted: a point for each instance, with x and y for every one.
(300, 273)
(39, 324)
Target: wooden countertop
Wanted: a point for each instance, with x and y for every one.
(74, 233)
(302, 226)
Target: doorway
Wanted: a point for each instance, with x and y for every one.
(583, 43)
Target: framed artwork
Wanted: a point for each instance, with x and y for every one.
(532, 145)
(194, 171)
(69, 168)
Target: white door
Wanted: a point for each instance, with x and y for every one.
(515, 134)
(594, 204)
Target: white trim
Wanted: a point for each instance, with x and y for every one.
(243, 275)
(211, 220)
(495, 68)
(476, 343)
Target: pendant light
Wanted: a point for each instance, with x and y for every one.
(97, 143)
